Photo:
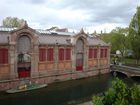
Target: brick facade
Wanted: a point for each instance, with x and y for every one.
(49, 71)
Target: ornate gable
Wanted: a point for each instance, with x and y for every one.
(81, 35)
(23, 30)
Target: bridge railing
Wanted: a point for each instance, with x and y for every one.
(127, 70)
(124, 68)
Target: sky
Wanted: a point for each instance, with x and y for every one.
(90, 15)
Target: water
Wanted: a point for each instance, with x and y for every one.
(64, 93)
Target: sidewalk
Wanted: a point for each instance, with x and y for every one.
(86, 103)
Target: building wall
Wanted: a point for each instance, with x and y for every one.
(5, 68)
(50, 71)
(55, 66)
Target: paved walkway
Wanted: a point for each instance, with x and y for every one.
(86, 103)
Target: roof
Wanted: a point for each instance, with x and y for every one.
(54, 32)
(4, 38)
(51, 37)
(96, 41)
(6, 29)
(54, 39)
(58, 29)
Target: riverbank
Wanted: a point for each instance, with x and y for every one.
(86, 103)
(63, 93)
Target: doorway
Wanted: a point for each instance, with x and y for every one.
(24, 58)
(79, 55)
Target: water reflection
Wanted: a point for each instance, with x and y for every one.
(63, 93)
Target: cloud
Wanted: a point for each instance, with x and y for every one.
(37, 1)
(73, 14)
(105, 10)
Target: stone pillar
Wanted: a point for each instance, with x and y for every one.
(87, 54)
(73, 58)
(108, 55)
(64, 59)
(56, 58)
(13, 62)
(34, 61)
(108, 59)
(98, 56)
(85, 65)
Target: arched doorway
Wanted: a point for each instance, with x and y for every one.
(24, 58)
(79, 54)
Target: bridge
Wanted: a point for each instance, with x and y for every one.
(127, 70)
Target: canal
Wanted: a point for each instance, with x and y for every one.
(64, 93)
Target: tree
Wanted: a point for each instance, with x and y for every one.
(119, 94)
(134, 34)
(118, 38)
(109, 38)
(12, 22)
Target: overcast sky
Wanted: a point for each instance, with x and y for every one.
(73, 14)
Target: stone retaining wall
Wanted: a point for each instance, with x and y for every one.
(8, 84)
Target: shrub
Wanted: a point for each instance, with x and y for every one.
(119, 94)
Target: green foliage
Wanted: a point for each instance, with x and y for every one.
(109, 97)
(119, 94)
(118, 39)
(12, 22)
(135, 95)
(134, 34)
(97, 100)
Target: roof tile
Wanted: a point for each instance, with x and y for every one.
(52, 37)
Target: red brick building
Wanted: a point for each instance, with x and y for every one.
(46, 56)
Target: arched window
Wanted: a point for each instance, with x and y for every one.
(24, 58)
(80, 45)
(79, 54)
(23, 48)
(24, 44)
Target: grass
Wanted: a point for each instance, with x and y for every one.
(128, 61)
